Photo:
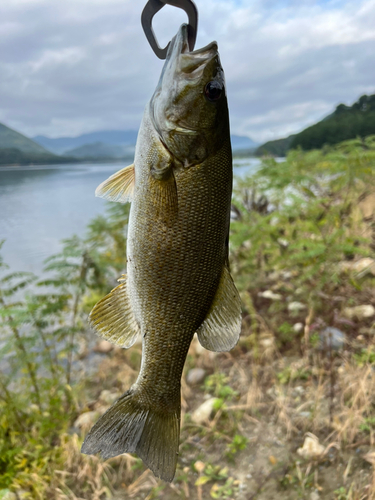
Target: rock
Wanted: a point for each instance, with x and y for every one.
(274, 276)
(298, 327)
(86, 420)
(271, 392)
(103, 347)
(267, 342)
(82, 349)
(304, 414)
(362, 266)
(269, 294)
(299, 390)
(311, 447)
(283, 242)
(369, 457)
(195, 376)
(296, 307)
(286, 275)
(359, 312)
(203, 412)
(109, 397)
(365, 266)
(314, 495)
(199, 466)
(34, 409)
(7, 495)
(332, 337)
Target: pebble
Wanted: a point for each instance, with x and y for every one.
(370, 457)
(271, 392)
(199, 466)
(311, 447)
(82, 349)
(296, 306)
(362, 266)
(298, 327)
(305, 414)
(286, 275)
(86, 419)
(103, 347)
(269, 294)
(267, 342)
(283, 242)
(314, 495)
(195, 376)
(332, 337)
(203, 412)
(359, 312)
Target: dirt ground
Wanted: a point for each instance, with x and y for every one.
(251, 445)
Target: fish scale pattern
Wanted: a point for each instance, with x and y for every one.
(175, 262)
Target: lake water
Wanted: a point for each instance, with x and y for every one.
(40, 206)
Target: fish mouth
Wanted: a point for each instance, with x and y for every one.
(189, 62)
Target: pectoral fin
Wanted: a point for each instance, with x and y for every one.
(113, 319)
(119, 187)
(163, 195)
(221, 328)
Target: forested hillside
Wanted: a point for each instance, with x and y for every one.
(17, 149)
(346, 122)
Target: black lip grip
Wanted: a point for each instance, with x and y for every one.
(153, 6)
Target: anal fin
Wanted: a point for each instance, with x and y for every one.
(221, 328)
(119, 187)
(112, 317)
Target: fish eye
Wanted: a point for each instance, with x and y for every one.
(213, 90)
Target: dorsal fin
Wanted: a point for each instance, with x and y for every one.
(119, 187)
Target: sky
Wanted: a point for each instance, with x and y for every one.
(69, 67)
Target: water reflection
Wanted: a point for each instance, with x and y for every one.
(41, 205)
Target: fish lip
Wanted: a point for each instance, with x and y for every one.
(181, 43)
(189, 63)
(210, 47)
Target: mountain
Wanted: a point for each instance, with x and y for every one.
(10, 139)
(14, 156)
(17, 149)
(61, 145)
(278, 148)
(112, 144)
(346, 122)
(242, 142)
(100, 150)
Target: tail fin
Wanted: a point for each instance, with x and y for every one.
(128, 427)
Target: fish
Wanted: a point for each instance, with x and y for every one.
(177, 281)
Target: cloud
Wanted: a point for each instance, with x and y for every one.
(75, 66)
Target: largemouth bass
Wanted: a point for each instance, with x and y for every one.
(178, 280)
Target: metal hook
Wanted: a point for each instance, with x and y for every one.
(153, 6)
